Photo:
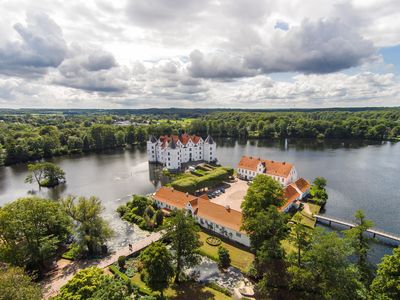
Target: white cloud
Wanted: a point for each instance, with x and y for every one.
(57, 53)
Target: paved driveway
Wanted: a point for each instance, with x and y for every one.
(233, 195)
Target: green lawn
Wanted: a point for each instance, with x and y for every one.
(185, 290)
(240, 259)
(306, 218)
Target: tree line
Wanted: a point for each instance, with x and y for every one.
(374, 125)
(33, 137)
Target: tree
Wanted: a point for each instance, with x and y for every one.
(224, 259)
(300, 237)
(157, 266)
(130, 135)
(92, 283)
(31, 230)
(93, 231)
(360, 245)
(16, 285)
(325, 271)
(318, 191)
(386, 285)
(159, 217)
(263, 192)
(183, 234)
(45, 174)
(141, 135)
(112, 289)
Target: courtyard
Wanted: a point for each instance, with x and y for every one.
(233, 196)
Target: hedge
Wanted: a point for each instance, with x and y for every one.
(219, 288)
(113, 269)
(192, 184)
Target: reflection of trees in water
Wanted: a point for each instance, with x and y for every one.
(155, 175)
(298, 143)
(225, 142)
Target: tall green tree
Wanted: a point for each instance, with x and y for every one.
(360, 244)
(16, 285)
(386, 284)
(183, 232)
(300, 237)
(326, 271)
(45, 174)
(93, 231)
(157, 266)
(263, 192)
(31, 230)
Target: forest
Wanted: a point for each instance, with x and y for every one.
(33, 134)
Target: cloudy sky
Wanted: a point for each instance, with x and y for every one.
(191, 53)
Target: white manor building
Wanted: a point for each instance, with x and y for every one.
(285, 173)
(172, 151)
(220, 219)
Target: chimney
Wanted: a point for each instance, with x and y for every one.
(187, 194)
(228, 208)
(172, 188)
(284, 162)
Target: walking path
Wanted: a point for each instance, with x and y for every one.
(66, 269)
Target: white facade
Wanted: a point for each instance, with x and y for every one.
(250, 174)
(172, 151)
(229, 233)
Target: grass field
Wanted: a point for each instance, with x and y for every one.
(185, 290)
(240, 259)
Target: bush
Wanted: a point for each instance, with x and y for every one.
(72, 253)
(224, 259)
(213, 241)
(121, 261)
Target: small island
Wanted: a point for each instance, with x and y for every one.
(45, 174)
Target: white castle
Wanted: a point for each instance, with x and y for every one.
(173, 150)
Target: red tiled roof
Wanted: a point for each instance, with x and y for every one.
(183, 138)
(290, 195)
(203, 208)
(249, 163)
(302, 184)
(276, 168)
(173, 197)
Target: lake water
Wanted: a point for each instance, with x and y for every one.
(361, 175)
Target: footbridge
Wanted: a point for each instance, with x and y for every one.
(385, 236)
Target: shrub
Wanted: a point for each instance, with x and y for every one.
(224, 259)
(113, 269)
(72, 253)
(121, 261)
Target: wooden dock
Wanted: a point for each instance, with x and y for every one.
(374, 232)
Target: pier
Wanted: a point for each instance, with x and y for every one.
(374, 232)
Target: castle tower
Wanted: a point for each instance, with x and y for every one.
(152, 149)
(210, 149)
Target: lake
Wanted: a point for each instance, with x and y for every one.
(361, 175)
